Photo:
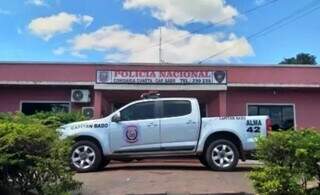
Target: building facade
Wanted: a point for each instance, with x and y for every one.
(289, 94)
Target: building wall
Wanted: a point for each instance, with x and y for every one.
(38, 75)
(11, 96)
(307, 108)
(306, 101)
(62, 72)
(42, 72)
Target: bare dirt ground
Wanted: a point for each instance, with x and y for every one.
(165, 176)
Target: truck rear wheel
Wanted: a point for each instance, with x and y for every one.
(222, 155)
(85, 157)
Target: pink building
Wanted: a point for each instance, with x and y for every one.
(289, 94)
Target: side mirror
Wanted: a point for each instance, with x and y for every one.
(116, 118)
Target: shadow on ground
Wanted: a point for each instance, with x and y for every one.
(239, 193)
(136, 167)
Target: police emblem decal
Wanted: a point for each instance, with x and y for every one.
(103, 76)
(219, 76)
(131, 133)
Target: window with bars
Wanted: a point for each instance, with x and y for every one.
(282, 116)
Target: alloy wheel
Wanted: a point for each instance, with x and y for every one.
(83, 157)
(222, 155)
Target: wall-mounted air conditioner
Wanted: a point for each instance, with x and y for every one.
(88, 112)
(80, 95)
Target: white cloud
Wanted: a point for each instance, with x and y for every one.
(5, 12)
(47, 27)
(37, 2)
(119, 44)
(87, 20)
(78, 54)
(259, 2)
(59, 51)
(19, 31)
(186, 11)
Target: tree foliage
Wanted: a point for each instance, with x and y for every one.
(290, 162)
(32, 157)
(301, 58)
(57, 119)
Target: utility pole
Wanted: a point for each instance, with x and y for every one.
(160, 46)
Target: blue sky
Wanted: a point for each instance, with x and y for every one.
(128, 31)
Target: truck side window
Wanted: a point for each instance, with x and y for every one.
(138, 111)
(174, 108)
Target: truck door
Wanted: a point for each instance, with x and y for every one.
(138, 130)
(179, 125)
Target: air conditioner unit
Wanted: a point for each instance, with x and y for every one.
(88, 112)
(80, 95)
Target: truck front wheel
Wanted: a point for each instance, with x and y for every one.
(85, 156)
(222, 155)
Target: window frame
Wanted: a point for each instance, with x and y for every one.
(161, 107)
(45, 102)
(275, 104)
(156, 110)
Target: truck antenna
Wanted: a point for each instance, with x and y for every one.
(160, 46)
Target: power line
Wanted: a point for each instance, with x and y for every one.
(296, 15)
(208, 26)
(288, 17)
(289, 22)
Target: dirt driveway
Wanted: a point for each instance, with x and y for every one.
(165, 176)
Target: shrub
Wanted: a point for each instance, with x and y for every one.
(56, 119)
(289, 162)
(276, 180)
(33, 158)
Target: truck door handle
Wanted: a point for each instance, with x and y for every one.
(152, 125)
(190, 122)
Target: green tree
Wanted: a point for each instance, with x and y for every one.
(301, 58)
(33, 159)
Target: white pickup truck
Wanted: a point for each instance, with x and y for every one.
(164, 127)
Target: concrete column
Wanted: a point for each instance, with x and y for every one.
(98, 104)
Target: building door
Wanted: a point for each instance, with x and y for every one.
(282, 116)
(137, 131)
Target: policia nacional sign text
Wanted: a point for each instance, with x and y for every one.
(161, 77)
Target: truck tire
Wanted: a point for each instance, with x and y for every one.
(85, 156)
(222, 155)
(104, 163)
(203, 161)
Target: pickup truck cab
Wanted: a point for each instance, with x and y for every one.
(163, 127)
